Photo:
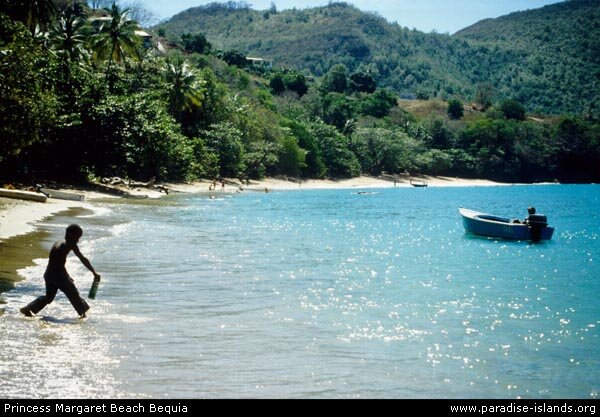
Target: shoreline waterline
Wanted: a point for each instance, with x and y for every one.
(19, 217)
(285, 184)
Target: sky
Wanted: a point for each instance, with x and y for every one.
(443, 16)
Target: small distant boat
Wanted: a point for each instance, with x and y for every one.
(535, 228)
(418, 183)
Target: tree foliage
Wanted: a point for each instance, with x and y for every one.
(189, 115)
(234, 57)
(380, 150)
(137, 138)
(288, 81)
(196, 43)
(512, 109)
(27, 106)
(339, 160)
(362, 82)
(455, 109)
(336, 80)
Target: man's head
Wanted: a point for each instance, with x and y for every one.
(531, 210)
(73, 233)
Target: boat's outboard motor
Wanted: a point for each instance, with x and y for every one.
(536, 222)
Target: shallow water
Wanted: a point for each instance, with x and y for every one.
(324, 293)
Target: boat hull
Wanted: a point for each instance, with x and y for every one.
(482, 224)
(62, 195)
(23, 195)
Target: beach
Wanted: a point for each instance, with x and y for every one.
(18, 217)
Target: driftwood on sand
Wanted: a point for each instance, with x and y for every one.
(116, 181)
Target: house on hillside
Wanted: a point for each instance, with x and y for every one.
(97, 21)
(260, 62)
(146, 38)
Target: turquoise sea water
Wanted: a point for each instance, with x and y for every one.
(324, 293)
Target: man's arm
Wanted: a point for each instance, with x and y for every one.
(85, 262)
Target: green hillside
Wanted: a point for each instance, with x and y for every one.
(545, 58)
(559, 46)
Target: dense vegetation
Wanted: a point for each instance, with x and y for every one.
(546, 58)
(557, 50)
(83, 97)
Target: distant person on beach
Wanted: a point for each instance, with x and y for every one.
(57, 278)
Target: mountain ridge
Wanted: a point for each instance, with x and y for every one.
(529, 60)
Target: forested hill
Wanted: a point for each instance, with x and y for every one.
(560, 48)
(546, 58)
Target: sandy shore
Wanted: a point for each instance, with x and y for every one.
(19, 217)
(275, 184)
(366, 182)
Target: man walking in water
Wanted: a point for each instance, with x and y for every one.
(57, 278)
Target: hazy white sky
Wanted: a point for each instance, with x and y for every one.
(425, 15)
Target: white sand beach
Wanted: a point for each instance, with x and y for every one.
(19, 217)
(366, 182)
(280, 184)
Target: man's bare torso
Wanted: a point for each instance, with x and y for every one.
(58, 255)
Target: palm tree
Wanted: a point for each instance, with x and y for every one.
(186, 92)
(117, 40)
(68, 36)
